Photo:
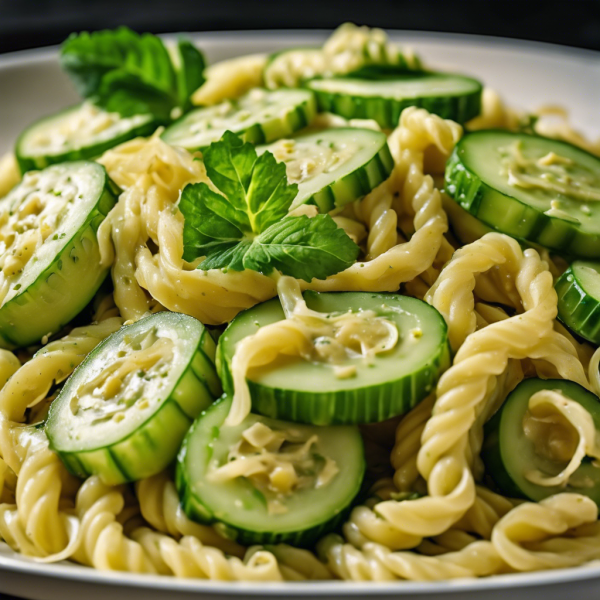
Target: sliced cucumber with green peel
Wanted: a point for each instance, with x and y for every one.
(464, 226)
(312, 392)
(301, 489)
(383, 98)
(80, 132)
(125, 410)
(334, 167)
(260, 116)
(49, 253)
(511, 456)
(535, 189)
(578, 290)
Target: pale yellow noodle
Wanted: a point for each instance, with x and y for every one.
(10, 174)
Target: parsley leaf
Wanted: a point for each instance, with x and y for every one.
(303, 247)
(129, 73)
(247, 226)
(257, 187)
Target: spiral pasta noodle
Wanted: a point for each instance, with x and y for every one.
(349, 48)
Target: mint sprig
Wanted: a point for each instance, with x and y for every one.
(129, 73)
(247, 225)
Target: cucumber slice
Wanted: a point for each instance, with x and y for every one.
(259, 116)
(80, 132)
(310, 392)
(509, 454)
(264, 514)
(463, 225)
(383, 98)
(478, 179)
(578, 290)
(125, 410)
(334, 167)
(50, 259)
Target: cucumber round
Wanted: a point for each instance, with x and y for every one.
(383, 98)
(80, 132)
(310, 392)
(134, 430)
(463, 225)
(241, 508)
(578, 290)
(259, 116)
(47, 283)
(477, 179)
(509, 455)
(334, 167)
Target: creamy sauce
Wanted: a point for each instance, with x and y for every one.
(553, 174)
(306, 161)
(33, 216)
(278, 463)
(124, 383)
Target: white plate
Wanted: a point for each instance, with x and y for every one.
(527, 75)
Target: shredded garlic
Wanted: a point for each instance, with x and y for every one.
(277, 462)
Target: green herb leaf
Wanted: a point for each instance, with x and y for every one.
(210, 222)
(302, 247)
(190, 74)
(257, 187)
(247, 225)
(129, 73)
(296, 246)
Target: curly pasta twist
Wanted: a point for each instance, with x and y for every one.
(349, 48)
(376, 562)
(161, 508)
(153, 174)
(494, 113)
(526, 538)
(230, 79)
(41, 521)
(105, 545)
(561, 531)
(417, 195)
(445, 457)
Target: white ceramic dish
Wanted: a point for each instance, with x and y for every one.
(527, 75)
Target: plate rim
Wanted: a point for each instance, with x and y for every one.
(16, 57)
(87, 575)
(11, 562)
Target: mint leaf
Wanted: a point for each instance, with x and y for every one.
(247, 226)
(301, 247)
(227, 258)
(190, 74)
(131, 73)
(210, 222)
(256, 186)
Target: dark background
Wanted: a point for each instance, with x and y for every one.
(33, 23)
